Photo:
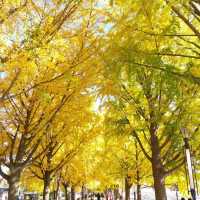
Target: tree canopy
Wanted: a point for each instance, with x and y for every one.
(97, 94)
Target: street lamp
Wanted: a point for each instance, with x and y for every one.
(189, 162)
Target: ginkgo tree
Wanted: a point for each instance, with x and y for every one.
(155, 117)
(63, 141)
(23, 125)
(127, 157)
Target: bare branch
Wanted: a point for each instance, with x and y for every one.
(5, 93)
(134, 134)
(185, 20)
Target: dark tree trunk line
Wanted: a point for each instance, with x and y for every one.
(72, 193)
(116, 193)
(139, 197)
(65, 186)
(46, 187)
(83, 192)
(58, 181)
(127, 188)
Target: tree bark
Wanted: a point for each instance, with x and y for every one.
(159, 185)
(139, 196)
(82, 192)
(46, 189)
(72, 193)
(138, 173)
(116, 193)
(57, 192)
(158, 169)
(127, 189)
(65, 185)
(13, 183)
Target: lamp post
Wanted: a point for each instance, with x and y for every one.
(189, 162)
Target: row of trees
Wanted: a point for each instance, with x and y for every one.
(152, 76)
(47, 74)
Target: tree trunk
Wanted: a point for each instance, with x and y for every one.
(65, 185)
(13, 183)
(106, 194)
(46, 192)
(139, 196)
(127, 188)
(46, 189)
(159, 185)
(158, 170)
(137, 172)
(72, 193)
(57, 192)
(116, 193)
(82, 192)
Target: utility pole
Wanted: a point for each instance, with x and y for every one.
(189, 162)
